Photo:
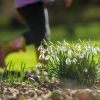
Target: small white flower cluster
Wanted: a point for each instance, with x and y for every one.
(72, 52)
(90, 49)
(40, 71)
(44, 53)
(63, 56)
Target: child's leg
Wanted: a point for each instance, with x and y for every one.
(37, 20)
(34, 17)
(6, 47)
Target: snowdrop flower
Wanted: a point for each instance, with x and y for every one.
(81, 55)
(85, 70)
(58, 48)
(39, 65)
(40, 48)
(78, 47)
(69, 52)
(47, 57)
(41, 57)
(94, 51)
(47, 51)
(68, 61)
(89, 46)
(39, 76)
(50, 49)
(42, 51)
(51, 58)
(74, 60)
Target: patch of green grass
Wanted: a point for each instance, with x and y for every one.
(82, 31)
(88, 31)
(28, 58)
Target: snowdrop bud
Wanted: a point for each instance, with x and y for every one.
(40, 48)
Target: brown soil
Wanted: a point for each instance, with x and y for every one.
(64, 90)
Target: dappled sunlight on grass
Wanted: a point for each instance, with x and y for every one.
(88, 31)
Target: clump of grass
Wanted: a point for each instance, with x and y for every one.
(76, 61)
(10, 75)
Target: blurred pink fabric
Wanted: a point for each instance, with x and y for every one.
(21, 3)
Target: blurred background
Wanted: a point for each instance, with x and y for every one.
(80, 21)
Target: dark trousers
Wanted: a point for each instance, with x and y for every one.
(34, 17)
